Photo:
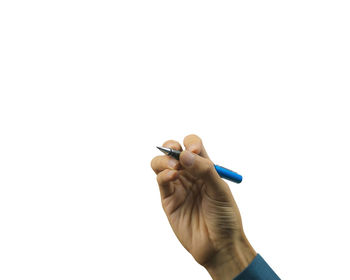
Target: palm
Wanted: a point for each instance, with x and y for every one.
(202, 224)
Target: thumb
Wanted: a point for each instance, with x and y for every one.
(199, 167)
(203, 168)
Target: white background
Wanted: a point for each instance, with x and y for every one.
(89, 88)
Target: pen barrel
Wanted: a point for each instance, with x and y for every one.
(228, 174)
(174, 154)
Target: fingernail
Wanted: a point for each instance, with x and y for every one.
(173, 163)
(187, 158)
(193, 148)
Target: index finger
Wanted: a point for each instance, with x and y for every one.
(172, 144)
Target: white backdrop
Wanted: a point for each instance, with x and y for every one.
(89, 88)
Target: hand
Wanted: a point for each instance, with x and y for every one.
(201, 210)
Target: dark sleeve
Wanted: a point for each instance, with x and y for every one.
(258, 269)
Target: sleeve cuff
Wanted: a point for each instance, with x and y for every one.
(258, 269)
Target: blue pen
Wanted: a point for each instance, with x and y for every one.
(222, 171)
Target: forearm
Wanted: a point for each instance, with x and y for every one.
(231, 261)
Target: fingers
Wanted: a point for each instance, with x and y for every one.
(194, 144)
(164, 179)
(165, 167)
(198, 166)
(160, 163)
(172, 144)
(195, 161)
(203, 168)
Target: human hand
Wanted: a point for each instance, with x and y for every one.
(201, 210)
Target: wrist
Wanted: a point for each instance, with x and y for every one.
(231, 261)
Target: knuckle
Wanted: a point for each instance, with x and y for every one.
(170, 144)
(155, 163)
(160, 178)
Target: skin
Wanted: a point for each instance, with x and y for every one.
(201, 210)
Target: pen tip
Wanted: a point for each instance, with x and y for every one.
(164, 150)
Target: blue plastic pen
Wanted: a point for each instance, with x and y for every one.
(222, 171)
